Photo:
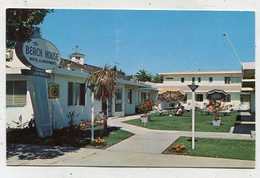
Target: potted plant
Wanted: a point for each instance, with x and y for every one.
(216, 121)
(145, 106)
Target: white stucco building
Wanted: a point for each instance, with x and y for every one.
(70, 75)
(74, 96)
(229, 81)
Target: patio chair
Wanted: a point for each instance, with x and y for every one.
(227, 111)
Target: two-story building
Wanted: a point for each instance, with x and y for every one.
(227, 80)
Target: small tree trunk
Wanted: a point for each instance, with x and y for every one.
(104, 109)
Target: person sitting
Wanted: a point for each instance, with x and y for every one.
(210, 109)
(180, 111)
(157, 109)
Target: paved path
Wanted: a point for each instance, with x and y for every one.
(156, 141)
(143, 149)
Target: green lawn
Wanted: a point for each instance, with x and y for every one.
(203, 123)
(220, 148)
(78, 137)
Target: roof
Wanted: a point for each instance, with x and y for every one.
(202, 72)
(203, 88)
(88, 67)
(77, 54)
(127, 82)
(248, 65)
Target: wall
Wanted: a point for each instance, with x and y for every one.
(60, 107)
(218, 79)
(13, 112)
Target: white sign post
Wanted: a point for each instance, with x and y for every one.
(39, 54)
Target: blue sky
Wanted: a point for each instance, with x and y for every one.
(158, 41)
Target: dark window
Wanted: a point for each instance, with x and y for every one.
(16, 93)
(70, 93)
(76, 93)
(143, 96)
(193, 79)
(199, 79)
(77, 57)
(227, 98)
(82, 94)
(210, 79)
(182, 80)
(185, 99)
(227, 80)
(199, 97)
(169, 78)
(129, 96)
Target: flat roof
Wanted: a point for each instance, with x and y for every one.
(248, 65)
(202, 72)
(202, 88)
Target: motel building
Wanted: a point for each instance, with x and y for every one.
(227, 80)
(56, 87)
(68, 77)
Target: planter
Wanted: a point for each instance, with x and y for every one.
(216, 122)
(144, 119)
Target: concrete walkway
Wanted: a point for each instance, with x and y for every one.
(143, 149)
(156, 141)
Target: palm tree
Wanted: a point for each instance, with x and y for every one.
(157, 79)
(104, 88)
(143, 75)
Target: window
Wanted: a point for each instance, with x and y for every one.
(16, 93)
(169, 78)
(185, 99)
(199, 97)
(199, 79)
(227, 80)
(227, 98)
(76, 93)
(193, 79)
(77, 57)
(182, 80)
(244, 98)
(118, 99)
(143, 96)
(129, 96)
(210, 79)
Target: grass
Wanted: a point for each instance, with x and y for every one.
(77, 137)
(203, 123)
(218, 148)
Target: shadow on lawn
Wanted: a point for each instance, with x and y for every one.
(31, 152)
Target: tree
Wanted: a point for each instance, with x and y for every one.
(143, 75)
(104, 88)
(114, 68)
(157, 79)
(20, 24)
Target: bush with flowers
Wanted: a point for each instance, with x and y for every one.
(98, 141)
(145, 106)
(178, 149)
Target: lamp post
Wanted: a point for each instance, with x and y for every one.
(91, 87)
(193, 87)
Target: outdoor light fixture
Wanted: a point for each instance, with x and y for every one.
(91, 87)
(193, 87)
